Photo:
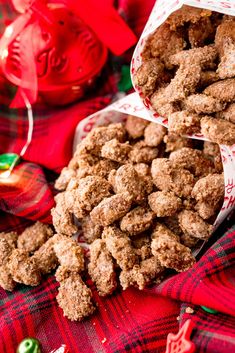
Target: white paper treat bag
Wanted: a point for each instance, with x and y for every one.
(117, 112)
(161, 11)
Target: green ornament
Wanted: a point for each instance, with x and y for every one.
(208, 310)
(7, 159)
(29, 345)
(125, 83)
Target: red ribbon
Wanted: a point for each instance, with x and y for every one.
(23, 27)
(105, 21)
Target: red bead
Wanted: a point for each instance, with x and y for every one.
(180, 343)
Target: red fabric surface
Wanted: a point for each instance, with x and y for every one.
(53, 132)
(128, 321)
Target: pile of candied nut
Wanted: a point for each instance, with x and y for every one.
(188, 73)
(143, 198)
(36, 252)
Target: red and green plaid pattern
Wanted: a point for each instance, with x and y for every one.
(128, 321)
(131, 320)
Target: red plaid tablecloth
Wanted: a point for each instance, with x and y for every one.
(128, 321)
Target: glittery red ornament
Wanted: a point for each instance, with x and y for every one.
(51, 53)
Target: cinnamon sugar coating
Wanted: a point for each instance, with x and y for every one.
(203, 104)
(225, 43)
(137, 220)
(142, 245)
(228, 113)
(169, 178)
(98, 136)
(69, 253)
(111, 209)
(186, 14)
(10, 237)
(62, 217)
(167, 249)
(226, 68)
(193, 160)
(191, 223)
(135, 126)
(126, 179)
(188, 240)
(161, 104)
(197, 49)
(6, 280)
(163, 43)
(202, 57)
(91, 231)
(218, 130)
(200, 32)
(142, 153)
(45, 256)
(75, 298)
(172, 223)
(164, 203)
(184, 83)
(116, 151)
(175, 142)
(209, 193)
(154, 134)
(64, 178)
(101, 268)
(142, 274)
(142, 169)
(184, 122)
(5, 251)
(212, 151)
(147, 75)
(207, 78)
(119, 245)
(222, 90)
(23, 268)
(91, 191)
(34, 236)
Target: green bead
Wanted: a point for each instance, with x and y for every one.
(125, 83)
(7, 159)
(29, 345)
(208, 310)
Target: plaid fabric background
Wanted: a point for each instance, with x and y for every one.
(128, 321)
(131, 320)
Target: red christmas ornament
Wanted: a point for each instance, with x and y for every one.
(181, 343)
(51, 53)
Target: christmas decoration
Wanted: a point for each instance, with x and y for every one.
(54, 50)
(29, 345)
(7, 159)
(181, 343)
(208, 310)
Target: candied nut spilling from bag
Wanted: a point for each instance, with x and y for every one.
(146, 214)
(143, 201)
(187, 73)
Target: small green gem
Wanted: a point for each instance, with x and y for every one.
(208, 310)
(7, 159)
(125, 83)
(29, 345)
